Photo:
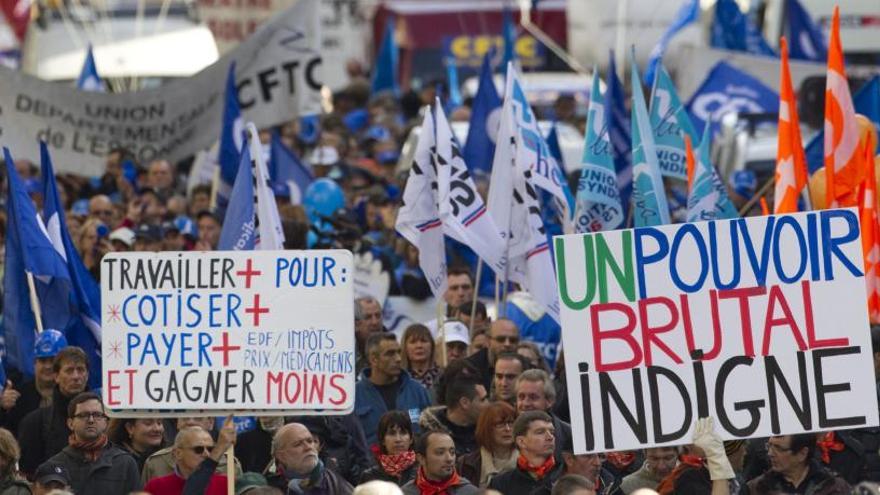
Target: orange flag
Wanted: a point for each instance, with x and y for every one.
(870, 232)
(791, 163)
(842, 158)
(690, 161)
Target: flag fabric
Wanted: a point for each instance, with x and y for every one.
(287, 168)
(807, 41)
(267, 221)
(462, 211)
(687, 14)
(707, 194)
(649, 195)
(508, 33)
(842, 171)
(619, 132)
(866, 102)
(597, 204)
(88, 79)
(385, 69)
(725, 90)
(733, 30)
(229, 155)
(418, 219)
(455, 99)
(791, 163)
(870, 234)
(84, 330)
(239, 229)
(479, 148)
(669, 122)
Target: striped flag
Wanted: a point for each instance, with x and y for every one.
(791, 162)
(870, 233)
(842, 170)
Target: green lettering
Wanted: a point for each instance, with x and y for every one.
(589, 264)
(624, 275)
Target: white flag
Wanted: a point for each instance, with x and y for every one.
(462, 210)
(270, 235)
(418, 219)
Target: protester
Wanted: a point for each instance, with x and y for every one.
(464, 401)
(367, 321)
(45, 431)
(659, 463)
(299, 470)
(535, 392)
(162, 462)
(536, 466)
(20, 399)
(140, 437)
(95, 466)
(530, 351)
(481, 315)
(590, 467)
(573, 484)
(377, 487)
(508, 367)
(10, 483)
(395, 458)
(435, 451)
(253, 448)
(50, 477)
(384, 386)
(419, 355)
(793, 469)
(455, 336)
(342, 444)
(497, 452)
(459, 288)
(503, 337)
(704, 467)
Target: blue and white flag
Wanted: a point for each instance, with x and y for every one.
(385, 68)
(670, 123)
(239, 227)
(687, 14)
(84, 329)
(287, 168)
(725, 90)
(733, 30)
(708, 199)
(267, 221)
(479, 148)
(619, 132)
(597, 205)
(649, 195)
(88, 79)
(229, 155)
(806, 41)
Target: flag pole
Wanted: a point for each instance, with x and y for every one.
(441, 334)
(230, 470)
(476, 293)
(35, 302)
(215, 187)
(758, 195)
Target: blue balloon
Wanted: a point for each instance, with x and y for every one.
(323, 198)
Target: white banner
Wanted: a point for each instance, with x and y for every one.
(760, 323)
(224, 331)
(278, 73)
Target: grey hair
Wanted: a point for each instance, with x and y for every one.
(178, 439)
(377, 487)
(539, 375)
(358, 309)
(570, 483)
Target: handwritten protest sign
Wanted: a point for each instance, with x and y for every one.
(760, 323)
(227, 331)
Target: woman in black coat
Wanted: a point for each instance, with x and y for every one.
(395, 458)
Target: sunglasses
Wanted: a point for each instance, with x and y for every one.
(201, 449)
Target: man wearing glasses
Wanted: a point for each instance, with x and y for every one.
(503, 338)
(94, 465)
(794, 469)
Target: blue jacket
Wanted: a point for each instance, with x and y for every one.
(369, 406)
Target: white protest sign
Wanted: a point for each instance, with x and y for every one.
(278, 75)
(225, 331)
(760, 323)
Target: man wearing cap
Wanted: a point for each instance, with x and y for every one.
(122, 239)
(50, 476)
(19, 400)
(465, 399)
(457, 341)
(148, 238)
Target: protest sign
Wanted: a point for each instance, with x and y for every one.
(760, 323)
(228, 331)
(278, 77)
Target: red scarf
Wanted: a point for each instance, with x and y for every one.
(538, 472)
(431, 487)
(394, 464)
(688, 462)
(91, 450)
(620, 460)
(827, 444)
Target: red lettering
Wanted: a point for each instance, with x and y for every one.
(317, 389)
(624, 333)
(287, 397)
(342, 395)
(273, 379)
(130, 374)
(811, 329)
(744, 314)
(787, 320)
(111, 388)
(649, 333)
(716, 327)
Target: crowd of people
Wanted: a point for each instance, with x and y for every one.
(479, 411)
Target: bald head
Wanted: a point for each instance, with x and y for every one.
(503, 337)
(295, 449)
(101, 208)
(185, 436)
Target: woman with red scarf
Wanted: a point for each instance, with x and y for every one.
(435, 451)
(395, 459)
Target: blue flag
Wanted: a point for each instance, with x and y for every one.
(508, 33)
(597, 205)
(479, 148)
(649, 194)
(708, 199)
(29, 250)
(866, 102)
(89, 80)
(239, 227)
(84, 329)
(727, 89)
(233, 126)
(619, 132)
(385, 68)
(687, 14)
(733, 30)
(805, 39)
(286, 168)
(670, 122)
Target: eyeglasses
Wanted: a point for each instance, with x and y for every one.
(506, 338)
(85, 416)
(201, 449)
(504, 424)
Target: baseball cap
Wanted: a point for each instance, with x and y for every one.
(124, 235)
(49, 472)
(456, 331)
(148, 232)
(49, 343)
(246, 481)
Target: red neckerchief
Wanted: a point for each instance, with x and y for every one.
(691, 460)
(394, 464)
(827, 444)
(91, 450)
(430, 487)
(537, 471)
(620, 460)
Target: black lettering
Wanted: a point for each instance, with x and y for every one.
(290, 68)
(310, 74)
(267, 82)
(247, 394)
(240, 88)
(588, 411)
(822, 388)
(654, 389)
(751, 406)
(774, 376)
(607, 391)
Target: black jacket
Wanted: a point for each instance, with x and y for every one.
(254, 450)
(518, 482)
(377, 473)
(819, 481)
(29, 401)
(115, 471)
(480, 359)
(43, 433)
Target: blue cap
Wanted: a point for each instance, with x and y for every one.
(744, 183)
(186, 226)
(49, 343)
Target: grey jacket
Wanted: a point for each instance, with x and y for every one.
(115, 471)
(463, 488)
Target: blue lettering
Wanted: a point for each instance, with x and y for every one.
(125, 311)
(134, 340)
(813, 236)
(231, 308)
(184, 337)
(169, 344)
(205, 341)
(832, 244)
(642, 260)
(193, 310)
(152, 307)
(759, 267)
(281, 264)
(802, 249)
(164, 298)
(688, 228)
(329, 263)
(716, 263)
(150, 348)
(213, 307)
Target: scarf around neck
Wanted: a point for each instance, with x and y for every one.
(297, 483)
(537, 472)
(90, 450)
(394, 464)
(431, 487)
